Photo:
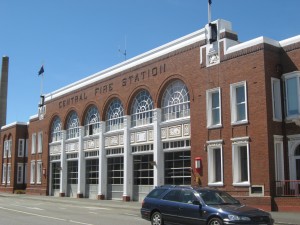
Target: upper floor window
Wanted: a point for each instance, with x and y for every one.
(213, 105)
(72, 126)
(292, 94)
(175, 101)
(142, 109)
(33, 143)
(21, 148)
(238, 96)
(276, 99)
(56, 130)
(92, 121)
(115, 116)
(40, 142)
(7, 148)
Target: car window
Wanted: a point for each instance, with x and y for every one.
(188, 196)
(173, 195)
(155, 193)
(217, 198)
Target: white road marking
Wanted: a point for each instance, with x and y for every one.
(48, 217)
(96, 208)
(27, 207)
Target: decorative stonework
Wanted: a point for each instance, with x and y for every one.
(163, 133)
(150, 135)
(186, 129)
(175, 131)
(121, 139)
(213, 57)
(141, 136)
(55, 149)
(71, 147)
(114, 140)
(91, 144)
(132, 137)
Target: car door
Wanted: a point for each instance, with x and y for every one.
(169, 206)
(190, 211)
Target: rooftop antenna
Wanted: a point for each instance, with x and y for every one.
(124, 52)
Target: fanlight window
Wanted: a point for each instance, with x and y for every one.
(56, 130)
(142, 109)
(115, 116)
(175, 101)
(72, 126)
(92, 122)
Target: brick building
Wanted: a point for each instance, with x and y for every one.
(204, 99)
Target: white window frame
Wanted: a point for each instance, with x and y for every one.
(286, 77)
(4, 169)
(279, 158)
(211, 148)
(8, 176)
(236, 161)
(39, 172)
(276, 99)
(26, 148)
(5, 150)
(209, 108)
(20, 173)
(25, 173)
(233, 101)
(32, 172)
(33, 143)
(21, 147)
(9, 148)
(40, 142)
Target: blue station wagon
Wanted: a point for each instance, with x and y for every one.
(198, 206)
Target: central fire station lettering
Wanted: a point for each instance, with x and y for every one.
(72, 100)
(144, 74)
(104, 89)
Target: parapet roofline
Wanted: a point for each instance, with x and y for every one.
(263, 40)
(179, 43)
(187, 40)
(13, 124)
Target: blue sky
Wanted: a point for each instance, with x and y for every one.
(77, 38)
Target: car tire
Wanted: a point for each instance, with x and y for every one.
(156, 219)
(215, 221)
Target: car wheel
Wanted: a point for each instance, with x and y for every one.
(156, 219)
(215, 221)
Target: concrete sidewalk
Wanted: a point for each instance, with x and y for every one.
(281, 218)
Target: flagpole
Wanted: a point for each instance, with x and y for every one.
(209, 11)
(42, 75)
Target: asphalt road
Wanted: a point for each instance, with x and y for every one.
(21, 211)
(47, 210)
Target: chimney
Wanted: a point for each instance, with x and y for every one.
(3, 90)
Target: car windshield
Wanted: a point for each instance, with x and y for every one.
(217, 198)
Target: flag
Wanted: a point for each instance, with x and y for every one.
(209, 2)
(41, 71)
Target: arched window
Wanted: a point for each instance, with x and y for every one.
(175, 101)
(142, 109)
(115, 116)
(56, 130)
(72, 126)
(91, 121)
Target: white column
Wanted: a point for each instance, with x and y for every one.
(128, 162)
(81, 165)
(158, 154)
(102, 182)
(63, 165)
